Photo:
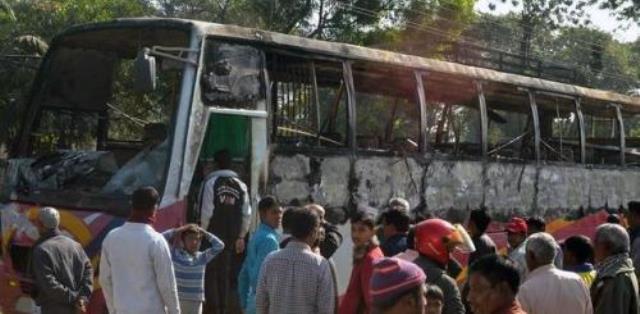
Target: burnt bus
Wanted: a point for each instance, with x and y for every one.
(143, 101)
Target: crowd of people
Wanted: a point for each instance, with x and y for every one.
(399, 264)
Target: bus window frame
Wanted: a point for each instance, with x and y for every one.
(421, 97)
(117, 205)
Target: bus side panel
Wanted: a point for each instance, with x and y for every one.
(89, 228)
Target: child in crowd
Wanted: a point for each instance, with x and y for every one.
(435, 300)
(189, 263)
(366, 250)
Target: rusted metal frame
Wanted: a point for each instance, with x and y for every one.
(351, 105)
(338, 50)
(536, 123)
(269, 96)
(484, 120)
(621, 135)
(316, 96)
(583, 135)
(422, 102)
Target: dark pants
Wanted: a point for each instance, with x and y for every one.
(221, 282)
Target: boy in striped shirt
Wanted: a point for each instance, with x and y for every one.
(189, 263)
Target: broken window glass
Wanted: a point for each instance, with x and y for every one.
(93, 134)
(308, 110)
(454, 130)
(387, 109)
(632, 138)
(453, 116)
(559, 129)
(232, 76)
(603, 135)
(511, 133)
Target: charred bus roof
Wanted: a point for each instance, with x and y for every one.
(507, 88)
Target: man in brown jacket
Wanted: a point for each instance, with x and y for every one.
(615, 290)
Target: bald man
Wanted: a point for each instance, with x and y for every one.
(60, 268)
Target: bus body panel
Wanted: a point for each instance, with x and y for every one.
(89, 228)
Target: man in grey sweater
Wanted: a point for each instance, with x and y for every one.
(60, 268)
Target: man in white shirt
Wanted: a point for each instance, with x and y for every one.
(136, 271)
(548, 290)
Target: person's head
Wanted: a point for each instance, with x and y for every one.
(145, 199)
(362, 226)
(191, 238)
(613, 219)
(536, 224)
(305, 225)
(633, 218)
(435, 300)
(318, 209)
(270, 212)
(610, 239)
(223, 159)
(493, 284)
(479, 221)
(287, 218)
(436, 239)
(577, 250)
(154, 133)
(397, 286)
(399, 203)
(48, 220)
(394, 222)
(516, 231)
(540, 250)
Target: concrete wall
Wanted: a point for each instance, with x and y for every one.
(449, 188)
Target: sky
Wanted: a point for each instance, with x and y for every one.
(601, 19)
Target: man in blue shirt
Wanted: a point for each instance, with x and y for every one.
(263, 242)
(189, 263)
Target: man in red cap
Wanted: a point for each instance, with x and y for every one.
(517, 236)
(397, 286)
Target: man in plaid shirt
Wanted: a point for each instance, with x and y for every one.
(296, 280)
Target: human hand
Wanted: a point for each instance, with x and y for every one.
(239, 246)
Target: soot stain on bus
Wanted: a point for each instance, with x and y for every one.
(449, 188)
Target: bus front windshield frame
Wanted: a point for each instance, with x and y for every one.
(92, 139)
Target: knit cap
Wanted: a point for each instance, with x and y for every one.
(392, 277)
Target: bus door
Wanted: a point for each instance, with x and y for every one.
(232, 91)
(244, 137)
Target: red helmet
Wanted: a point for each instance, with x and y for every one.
(436, 238)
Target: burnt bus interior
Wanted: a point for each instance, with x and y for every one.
(464, 118)
(86, 122)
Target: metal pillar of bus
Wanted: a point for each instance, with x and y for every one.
(351, 104)
(484, 123)
(536, 123)
(422, 99)
(621, 136)
(583, 135)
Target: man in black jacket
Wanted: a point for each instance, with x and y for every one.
(60, 268)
